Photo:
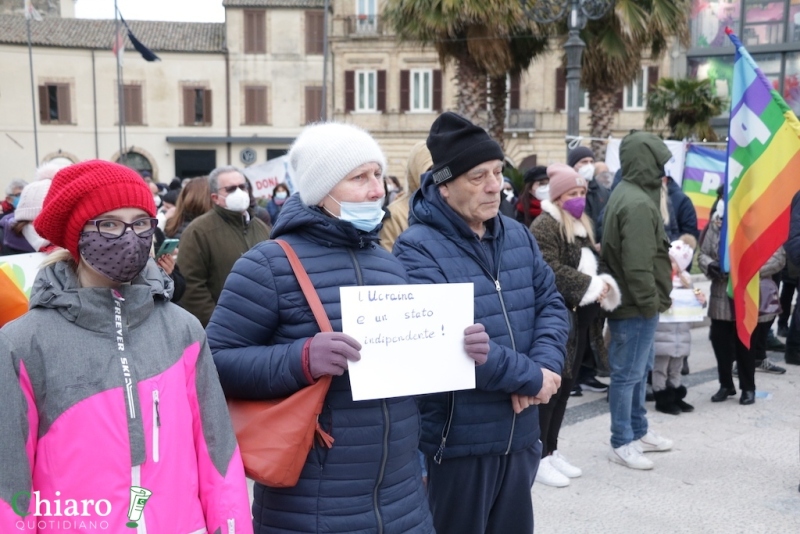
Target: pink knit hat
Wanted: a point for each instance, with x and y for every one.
(563, 178)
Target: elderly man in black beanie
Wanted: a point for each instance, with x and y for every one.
(482, 446)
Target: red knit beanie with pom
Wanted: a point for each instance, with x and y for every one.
(83, 191)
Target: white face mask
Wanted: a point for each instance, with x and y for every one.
(587, 172)
(543, 192)
(363, 215)
(237, 201)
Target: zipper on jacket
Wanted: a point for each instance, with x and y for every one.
(451, 405)
(385, 457)
(156, 425)
(513, 346)
(382, 470)
(359, 278)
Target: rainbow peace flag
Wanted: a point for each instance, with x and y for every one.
(703, 173)
(17, 275)
(762, 176)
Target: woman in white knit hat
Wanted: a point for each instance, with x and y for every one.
(266, 344)
(19, 236)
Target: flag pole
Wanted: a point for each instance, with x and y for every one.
(33, 92)
(120, 94)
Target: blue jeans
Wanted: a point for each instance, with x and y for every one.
(630, 355)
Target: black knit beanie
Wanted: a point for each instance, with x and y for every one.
(457, 146)
(578, 154)
(535, 174)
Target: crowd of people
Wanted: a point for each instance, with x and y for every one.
(155, 303)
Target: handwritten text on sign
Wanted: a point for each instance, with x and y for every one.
(412, 338)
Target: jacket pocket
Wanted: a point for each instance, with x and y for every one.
(156, 425)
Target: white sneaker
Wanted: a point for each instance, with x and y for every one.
(549, 475)
(629, 456)
(563, 466)
(652, 442)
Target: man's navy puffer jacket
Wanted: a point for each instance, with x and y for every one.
(515, 299)
(371, 477)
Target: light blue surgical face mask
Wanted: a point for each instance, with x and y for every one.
(363, 215)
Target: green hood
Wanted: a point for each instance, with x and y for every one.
(643, 156)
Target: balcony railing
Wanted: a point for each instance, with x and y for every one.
(521, 120)
(367, 25)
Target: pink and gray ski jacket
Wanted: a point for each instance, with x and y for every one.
(108, 390)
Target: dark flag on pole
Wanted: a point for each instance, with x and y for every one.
(146, 53)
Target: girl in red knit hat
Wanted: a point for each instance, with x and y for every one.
(112, 407)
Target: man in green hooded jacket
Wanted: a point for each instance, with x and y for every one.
(635, 249)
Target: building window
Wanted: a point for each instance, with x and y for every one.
(54, 103)
(196, 106)
(636, 92)
(313, 104)
(584, 100)
(562, 92)
(315, 32)
(255, 105)
(366, 90)
(763, 22)
(136, 161)
(421, 90)
(255, 32)
(132, 104)
(367, 16)
(708, 19)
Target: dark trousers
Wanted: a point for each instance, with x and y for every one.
(788, 288)
(728, 348)
(793, 339)
(484, 494)
(551, 415)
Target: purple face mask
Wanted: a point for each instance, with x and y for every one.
(119, 259)
(575, 206)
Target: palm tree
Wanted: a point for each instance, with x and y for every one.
(686, 106)
(614, 48)
(485, 39)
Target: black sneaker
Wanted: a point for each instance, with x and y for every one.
(783, 330)
(576, 391)
(593, 384)
(766, 366)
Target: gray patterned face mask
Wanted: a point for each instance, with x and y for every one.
(119, 259)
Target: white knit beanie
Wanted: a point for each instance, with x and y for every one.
(31, 200)
(323, 154)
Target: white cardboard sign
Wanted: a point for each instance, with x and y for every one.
(412, 338)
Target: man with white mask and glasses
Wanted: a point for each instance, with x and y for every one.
(213, 242)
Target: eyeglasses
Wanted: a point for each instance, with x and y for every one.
(113, 228)
(231, 188)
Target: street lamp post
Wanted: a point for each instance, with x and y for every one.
(549, 11)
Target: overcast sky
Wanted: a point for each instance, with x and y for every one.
(177, 10)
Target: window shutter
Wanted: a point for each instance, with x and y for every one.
(437, 90)
(315, 21)
(382, 91)
(44, 104)
(561, 89)
(207, 107)
(261, 94)
(313, 104)
(405, 90)
(652, 78)
(513, 92)
(349, 91)
(64, 111)
(619, 100)
(249, 105)
(188, 106)
(133, 104)
(255, 41)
